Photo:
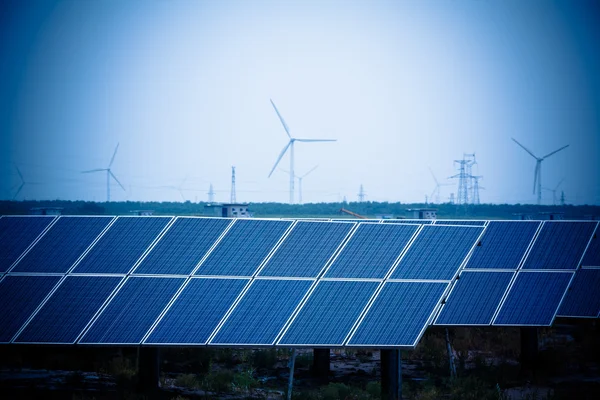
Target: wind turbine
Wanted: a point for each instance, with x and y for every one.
(22, 183)
(300, 181)
(436, 190)
(178, 188)
(290, 145)
(554, 191)
(109, 174)
(537, 174)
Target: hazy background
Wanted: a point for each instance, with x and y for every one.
(184, 87)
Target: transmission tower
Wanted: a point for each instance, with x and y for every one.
(475, 198)
(463, 193)
(233, 200)
(470, 161)
(211, 194)
(361, 194)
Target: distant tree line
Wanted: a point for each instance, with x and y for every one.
(368, 209)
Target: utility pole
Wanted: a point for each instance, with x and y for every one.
(233, 199)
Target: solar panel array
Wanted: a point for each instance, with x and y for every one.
(250, 282)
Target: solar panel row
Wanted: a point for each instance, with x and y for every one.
(328, 282)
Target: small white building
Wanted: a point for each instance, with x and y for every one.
(227, 210)
(421, 213)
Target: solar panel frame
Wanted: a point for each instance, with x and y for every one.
(48, 246)
(103, 249)
(408, 221)
(200, 249)
(530, 273)
(18, 252)
(460, 222)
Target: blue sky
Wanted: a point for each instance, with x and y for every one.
(184, 88)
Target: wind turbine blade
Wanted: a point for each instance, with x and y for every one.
(115, 178)
(524, 148)
(280, 157)
(535, 175)
(287, 130)
(555, 151)
(113, 157)
(20, 174)
(311, 170)
(433, 176)
(558, 184)
(315, 140)
(18, 190)
(94, 170)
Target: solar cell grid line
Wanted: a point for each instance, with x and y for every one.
(503, 245)
(461, 222)
(559, 245)
(20, 297)
(68, 310)
(591, 257)
(122, 245)
(582, 299)
(132, 311)
(371, 251)
(533, 299)
(437, 252)
(63, 244)
(263, 311)
(182, 246)
(307, 249)
(474, 298)
(329, 313)
(17, 235)
(398, 315)
(197, 311)
(244, 248)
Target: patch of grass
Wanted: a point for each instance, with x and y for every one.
(190, 381)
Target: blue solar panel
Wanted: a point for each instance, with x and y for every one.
(244, 247)
(399, 314)
(533, 298)
(197, 311)
(183, 246)
(329, 314)
(475, 298)
(16, 234)
(371, 251)
(62, 244)
(437, 252)
(462, 222)
(583, 297)
(263, 311)
(307, 248)
(133, 311)
(70, 308)
(20, 296)
(409, 221)
(503, 244)
(559, 245)
(592, 254)
(122, 245)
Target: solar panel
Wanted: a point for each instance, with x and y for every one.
(197, 311)
(183, 245)
(560, 245)
(62, 244)
(70, 308)
(20, 296)
(263, 311)
(399, 314)
(122, 245)
(533, 299)
(329, 314)
(408, 221)
(475, 298)
(371, 251)
(133, 311)
(583, 297)
(503, 245)
(306, 249)
(437, 252)
(247, 243)
(16, 234)
(592, 254)
(463, 222)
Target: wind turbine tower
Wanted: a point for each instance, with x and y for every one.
(300, 183)
(435, 195)
(233, 199)
(290, 145)
(109, 174)
(537, 173)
